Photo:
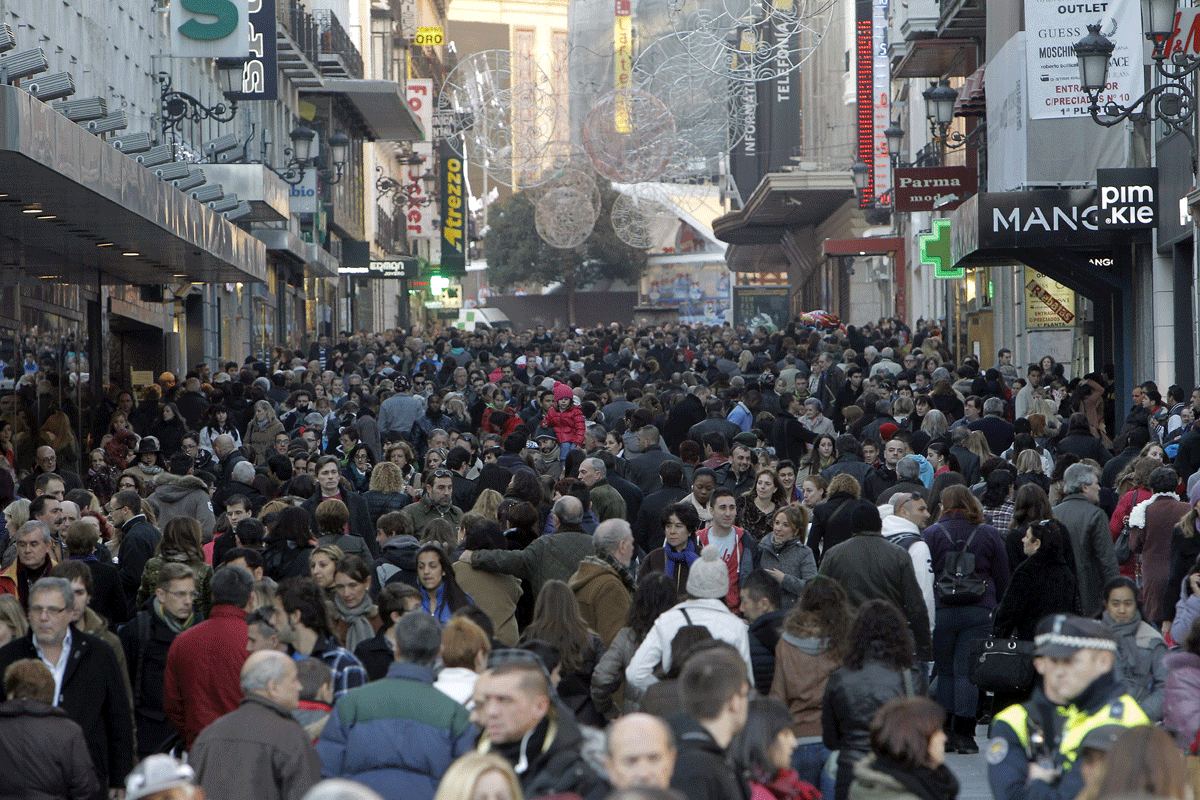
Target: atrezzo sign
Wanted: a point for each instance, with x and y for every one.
(1128, 198)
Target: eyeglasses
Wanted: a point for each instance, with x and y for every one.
(180, 595)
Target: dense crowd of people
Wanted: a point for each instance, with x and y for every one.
(721, 563)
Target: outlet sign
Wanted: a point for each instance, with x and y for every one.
(1128, 198)
(210, 28)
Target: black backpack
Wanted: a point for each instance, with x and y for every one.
(957, 584)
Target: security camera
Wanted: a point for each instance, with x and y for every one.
(163, 154)
(173, 171)
(23, 64)
(108, 124)
(84, 109)
(219, 145)
(243, 210)
(227, 203)
(208, 193)
(194, 180)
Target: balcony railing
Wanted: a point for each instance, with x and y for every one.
(299, 42)
(389, 236)
(339, 56)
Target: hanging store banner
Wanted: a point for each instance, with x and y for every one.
(1048, 304)
(1128, 198)
(420, 215)
(1052, 72)
(260, 76)
(927, 188)
(454, 212)
(210, 28)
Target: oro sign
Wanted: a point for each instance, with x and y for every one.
(1127, 198)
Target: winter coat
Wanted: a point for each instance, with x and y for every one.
(139, 540)
(702, 768)
(376, 655)
(422, 511)
(655, 649)
(794, 559)
(950, 534)
(803, 665)
(424, 426)
(170, 436)
(496, 595)
(830, 524)
(1092, 546)
(263, 439)
(1152, 538)
(1139, 663)
(870, 783)
(1039, 586)
(553, 557)
(602, 596)
(852, 696)
(397, 562)
(182, 496)
(609, 676)
(568, 426)
(380, 503)
(764, 636)
(203, 676)
(282, 560)
(1184, 552)
(1187, 609)
(256, 752)
(153, 728)
(899, 531)
(558, 768)
(642, 470)
(656, 561)
(107, 598)
(683, 415)
(870, 567)
(44, 753)
(1116, 523)
(200, 570)
(94, 696)
(1181, 706)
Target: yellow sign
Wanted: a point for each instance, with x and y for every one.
(1048, 304)
(622, 61)
(429, 36)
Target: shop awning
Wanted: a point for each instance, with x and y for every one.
(936, 58)
(384, 111)
(69, 201)
(783, 202)
(289, 247)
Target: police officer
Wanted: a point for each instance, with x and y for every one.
(1035, 745)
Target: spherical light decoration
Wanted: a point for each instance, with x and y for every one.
(636, 219)
(628, 135)
(564, 217)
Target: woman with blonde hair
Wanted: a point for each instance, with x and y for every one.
(16, 514)
(13, 624)
(785, 556)
(488, 503)
(386, 490)
(479, 776)
(261, 431)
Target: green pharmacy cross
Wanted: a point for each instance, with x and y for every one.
(935, 251)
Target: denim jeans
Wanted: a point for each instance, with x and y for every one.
(809, 762)
(957, 627)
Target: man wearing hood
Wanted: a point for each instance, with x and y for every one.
(179, 493)
(397, 560)
(398, 413)
(905, 515)
(548, 460)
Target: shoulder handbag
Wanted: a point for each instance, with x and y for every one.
(1003, 666)
(957, 584)
(1121, 547)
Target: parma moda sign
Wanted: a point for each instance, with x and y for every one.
(930, 188)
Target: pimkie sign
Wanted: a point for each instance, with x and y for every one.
(930, 188)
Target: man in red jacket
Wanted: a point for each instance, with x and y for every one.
(204, 665)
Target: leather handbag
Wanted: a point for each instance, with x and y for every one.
(1002, 666)
(1123, 551)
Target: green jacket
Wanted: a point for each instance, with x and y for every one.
(554, 556)
(607, 501)
(422, 511)
(201, 571)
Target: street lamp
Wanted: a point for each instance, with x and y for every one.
(408, 193)
(894, 135)
(300, 156)
(177, 107)
(939, 102)
(927, 156)
(861, 173)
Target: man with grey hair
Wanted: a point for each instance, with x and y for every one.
(1091, 539)
(996, 429)
(36, 551)
(227, 454)
(593, 437)
(554, 556)
(240, 484)
(603, 584)
(398, 735)
(606, 501)
(908, 479)
(815, 420)
(88, 683)
(259, 751)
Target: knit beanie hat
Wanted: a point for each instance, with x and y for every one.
(708, 577)
(562, 391)
(864, 517)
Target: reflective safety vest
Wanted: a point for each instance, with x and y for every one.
(1123, 710)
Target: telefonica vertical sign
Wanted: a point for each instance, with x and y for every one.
(210, 28)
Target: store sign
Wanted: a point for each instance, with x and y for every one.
(1043, 218)
(305, 197)
(210, 28)
(420, 216)
(769, 306)
(454, 212)
(1186, 38)
(260, 76)
(1128, 198)
(1048, 304)
(926, 188)
(429, 36)
(386, 270)
(937, 252)
(1052, 71)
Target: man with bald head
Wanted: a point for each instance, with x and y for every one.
(47, 461)
(640, 752)
(227, 456)
(259, 751)
(555, 556)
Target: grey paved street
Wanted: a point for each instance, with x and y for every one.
(972, 771)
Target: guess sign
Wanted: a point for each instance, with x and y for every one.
(930, 188)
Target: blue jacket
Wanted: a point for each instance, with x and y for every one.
(397, 736)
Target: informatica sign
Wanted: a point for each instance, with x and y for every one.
(1052, 71)
(210, 28)
(930, 188)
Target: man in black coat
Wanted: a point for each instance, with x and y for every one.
(91, 691)
(714, 692)
(139, 540)
(465, 493)
(683, 415)
(331, 486)
(629, 492)
(789, 436)
(761, 601)
(47, 462)
(146, 639)
(967, 461)
(647, 527)
(714, 423)
(642, 470)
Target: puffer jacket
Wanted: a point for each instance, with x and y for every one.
(1181, 709)
(1139, 663)
(397, 735)
(794, 559)
(609, 676)
(200, 570)
(182, 496)
(380, 503)
(852, 696)
(803, 665)
(44, 753)
(397, 562)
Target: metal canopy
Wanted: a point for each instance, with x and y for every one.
(90, 195)
(384, 110)
(784, 201)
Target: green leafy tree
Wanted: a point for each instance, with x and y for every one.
(517, 255)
